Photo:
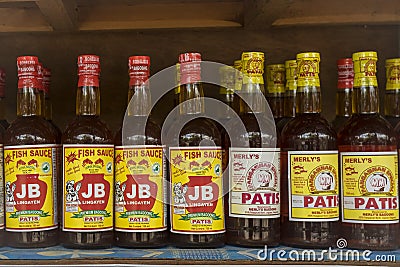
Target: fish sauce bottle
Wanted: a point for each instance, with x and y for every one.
(392, 92)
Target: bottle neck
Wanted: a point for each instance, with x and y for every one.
(276, 103)
(227, 96)
(343, 102)
(290, 103)
(88, 101)
(48, 113)
(392, 103)
(29, 102)
(252, 98)
(308, 100)
(365, 100)
(139, 99)
(191, 99)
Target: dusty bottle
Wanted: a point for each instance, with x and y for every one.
(276, 90)
(289, 99)
(88, 167)
(30, 160)
(3, 121)
(309, 166)
(343, 93)
(196, 210)
(392, 92)
(253, 202)
(140, 174)
(369, 162)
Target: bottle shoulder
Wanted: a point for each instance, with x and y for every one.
(367, 129)
(87, 130)
(29, 130)
(308, 132)
(138, 131)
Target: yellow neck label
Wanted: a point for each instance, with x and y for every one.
(88, 187)
(313, 186)
(140, 189)
(253, 67)
(276, 78)
(393, 76)
(308, 71)
(31, 187)
(365, 72)
(196, 190)
(370, 187)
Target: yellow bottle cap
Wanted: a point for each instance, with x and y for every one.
(365, 54)
(308, 69)
(276, 78)
(253, 67)
(314, 55)
(392, 74)
(291, 74)
(237, 64)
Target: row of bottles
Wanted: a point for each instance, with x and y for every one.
(258, 186)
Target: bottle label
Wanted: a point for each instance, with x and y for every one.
(1, 188)
(140, 189)
(30, 187)
(276, 79)
(254, 183)
(88, 187)
(369, 187)
(253, 68)
(365, 72)
(196, 190)
(313, 186)
(307, 72)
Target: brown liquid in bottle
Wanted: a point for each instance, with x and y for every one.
(197, 132)
(308, 131)
(139, 106)
(343, 94)
(276, 90)
(3, 121)
(30, 128)
(367, 132)
(244, 227)
(87, 128)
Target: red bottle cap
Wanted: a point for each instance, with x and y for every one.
(345, 73)
(27, 71)
(190, 67)
(40, 76)
(46, 79)
(2, 82)
(139, 66)
(88, 70)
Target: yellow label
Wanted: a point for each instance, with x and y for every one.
(227, 80)
(365, 72)
(1, 188)
(238, 75)
(393, 74)
(313, 186)
(140, 189)
(253, 67)
(276, 78)
(307, 71)
(196, 190)
(369, 187)
(88, 187)
(30, 186)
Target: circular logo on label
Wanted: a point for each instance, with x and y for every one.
(217, 170)
(262, 176)
(109, 167)
(323, 179)
(156, 168)
(46, 167)
(377, 180)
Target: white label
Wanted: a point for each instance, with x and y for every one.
(254, 182)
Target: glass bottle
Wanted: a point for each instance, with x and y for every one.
(254, 204)
(3, 121)
(237, 65)
(88, 175)
(48, 106)
(289, 99)
(309, 166)
(343, 93)
(392, 92)
(369, 166)
(30, 160)
(140, 173)
(227, 93)
(276, 90)
(196, 210)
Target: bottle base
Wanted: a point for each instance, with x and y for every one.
(141, 239)
(89, 240)
(198, 240)
(39, 239)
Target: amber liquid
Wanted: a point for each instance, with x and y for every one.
(87, 129)
(392, 107)
(134, 124)
(276, 104)
(369, 133)
(252, 232)
(343, 108)
(30, 130)
(310, 132)
(289, 101)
